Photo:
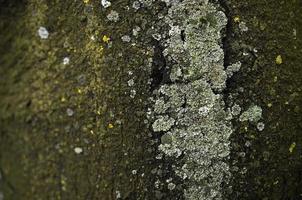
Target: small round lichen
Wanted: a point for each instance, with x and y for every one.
(66, 61)
(110, 125)
(78, 150)
(69, 112)
(43, 33)
(260, 126)
(106, 3)
(279, 60)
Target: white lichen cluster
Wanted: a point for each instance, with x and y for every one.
(78, 150)
(43, 32)
(190, 111)
(106, 3)
(66, 61)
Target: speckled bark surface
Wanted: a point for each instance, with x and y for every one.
(95, 106)
(76, 130)
(266, 156)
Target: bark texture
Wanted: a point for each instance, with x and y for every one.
(111, 99)
(75, 130)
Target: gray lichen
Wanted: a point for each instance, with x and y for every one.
(190, 110)
(163, 123)
(126, 38)
(233, 68)
(253, 114)
(66, 61)
(113, 16)
(236, 109)
(260, 126)
(69, 112)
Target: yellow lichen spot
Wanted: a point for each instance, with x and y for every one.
(86, 1)
(95, 50)
(279, 60)
(292, 147)
(110, 125)
(79, 91)
(101, 49)
(92, 132)
(269, 105)
(236, 19)
(106, 39)
(63, 99)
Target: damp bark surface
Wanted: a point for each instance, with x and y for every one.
(266, 156)
(79, 80)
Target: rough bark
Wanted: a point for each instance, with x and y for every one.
(94, 109)
(76, 130)
(267, 163)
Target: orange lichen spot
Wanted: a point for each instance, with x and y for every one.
(110, 125)
(236, 19)
(279, 60)
(106, 39)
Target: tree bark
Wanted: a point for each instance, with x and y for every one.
(76, 130)
(80, 82)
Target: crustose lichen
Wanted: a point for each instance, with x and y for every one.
(190, 110)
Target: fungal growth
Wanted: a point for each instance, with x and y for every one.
(190, 110)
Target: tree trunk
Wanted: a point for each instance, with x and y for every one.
(143, 99)
(74, 128)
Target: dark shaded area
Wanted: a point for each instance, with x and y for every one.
(159, 74)
(266, 165)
